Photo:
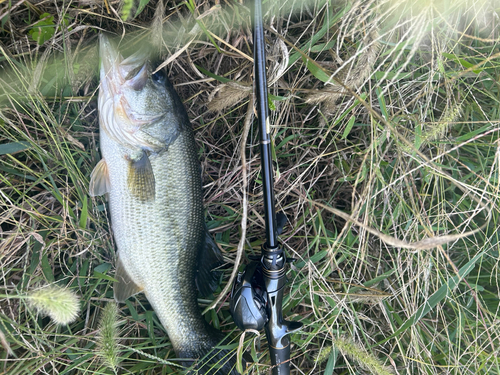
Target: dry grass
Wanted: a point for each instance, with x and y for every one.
(385, 110)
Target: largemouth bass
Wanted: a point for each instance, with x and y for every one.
(151, 172)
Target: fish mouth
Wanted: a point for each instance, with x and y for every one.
(132, 70)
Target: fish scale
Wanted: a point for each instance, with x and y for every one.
(141, 248)
(160, 234)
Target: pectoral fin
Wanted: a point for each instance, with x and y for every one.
(124, 287)
(99, 179)
(140, 178)
(209, 259)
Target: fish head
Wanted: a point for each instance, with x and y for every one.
(137, 106)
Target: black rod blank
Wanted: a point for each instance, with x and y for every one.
(259, 54)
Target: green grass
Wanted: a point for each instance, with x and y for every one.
(403, 138)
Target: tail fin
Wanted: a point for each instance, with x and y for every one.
(214, 357)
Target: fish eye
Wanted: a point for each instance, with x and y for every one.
(159, 77)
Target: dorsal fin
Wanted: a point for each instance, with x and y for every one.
(209, 259)
(280, 222)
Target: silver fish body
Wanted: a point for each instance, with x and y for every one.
(151, 172)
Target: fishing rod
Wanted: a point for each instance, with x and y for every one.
(257, 294)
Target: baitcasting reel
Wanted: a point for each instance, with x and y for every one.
(256, 303)
(249, 300)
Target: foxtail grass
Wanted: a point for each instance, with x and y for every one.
(60, 304)
(361, 356)
(107, 338)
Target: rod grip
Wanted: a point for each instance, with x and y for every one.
(280, 359)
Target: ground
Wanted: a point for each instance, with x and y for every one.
(385, 128)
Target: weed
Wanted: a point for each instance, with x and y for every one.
(385, 133)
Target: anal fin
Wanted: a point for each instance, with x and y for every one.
(124, 287)
(99, 180)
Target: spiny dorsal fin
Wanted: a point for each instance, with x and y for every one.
(99, 179)
(209, 258)
(124, 287)
(140, 178)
